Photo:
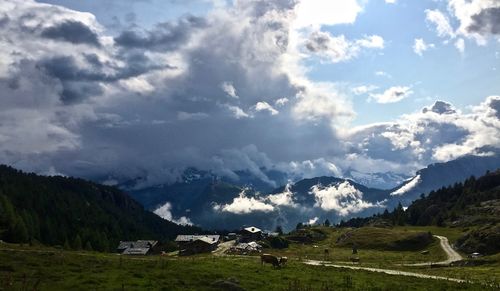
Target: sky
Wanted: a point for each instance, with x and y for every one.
(116, 90)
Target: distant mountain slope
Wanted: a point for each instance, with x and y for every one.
(60, 210)
(474, 203)
(438, 175)
(214, 202)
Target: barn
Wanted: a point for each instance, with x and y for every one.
(140, 247)
(195, 244)
(250, 234)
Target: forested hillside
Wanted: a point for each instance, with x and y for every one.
(74, 213)
(475, 204)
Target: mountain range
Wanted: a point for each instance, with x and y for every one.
(214, 202)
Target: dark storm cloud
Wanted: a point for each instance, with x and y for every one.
(4, 19)
(165, 36)
(73, 32)
(440, 107)
(318, 42)
(495, 105)
(80, 83)
(487, 21)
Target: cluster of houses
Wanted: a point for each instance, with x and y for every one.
(245, 242)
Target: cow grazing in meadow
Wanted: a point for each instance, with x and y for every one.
(269, 259)
(283, 261)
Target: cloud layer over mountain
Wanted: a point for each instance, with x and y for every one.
(227, 91)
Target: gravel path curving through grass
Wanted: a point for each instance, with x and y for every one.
(385, 271)
(453, 256)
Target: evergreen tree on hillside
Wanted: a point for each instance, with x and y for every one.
(66, 211)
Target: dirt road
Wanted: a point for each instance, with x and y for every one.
(385, 271)
(453, 256)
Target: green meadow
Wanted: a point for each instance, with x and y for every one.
(40, 268)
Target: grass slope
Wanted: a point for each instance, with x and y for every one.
(47, 269)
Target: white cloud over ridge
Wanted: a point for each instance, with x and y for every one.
(408, 186)
(165, 212)
(245, 205)
(343, 198)
(283, 199)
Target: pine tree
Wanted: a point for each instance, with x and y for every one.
(66, 245)
(279, 230)
(77, 243)
(88, 246)
(327, 223)
(19, 232)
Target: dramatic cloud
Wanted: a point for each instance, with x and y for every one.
(226, 91)
(165, 36)
(440, 107)
(477, 19)
(392, 95)
(244, 205)
(343, 198)
(437, 133)
(486, 21)
(72, 31)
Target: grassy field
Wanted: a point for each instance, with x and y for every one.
(39, 268)
(371, 256)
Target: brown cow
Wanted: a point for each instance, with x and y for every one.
(269, 259)
(283, 261)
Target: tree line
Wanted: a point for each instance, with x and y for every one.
(439, 207)
(74, 213)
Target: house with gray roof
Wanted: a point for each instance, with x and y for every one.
(194, 244)
(140, 247)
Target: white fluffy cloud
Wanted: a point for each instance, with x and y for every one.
(420, 46)
(408, 186)
(264, 106)
(477, 19)
(392, 95)
(363, 89)
(339, 49)
(284, 198)
(343, 198)
(437, 133)
(244, 205)
(441, 22)
(315, 13)
(229, 89)
(165, 212)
